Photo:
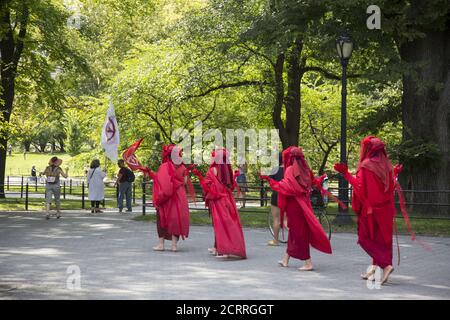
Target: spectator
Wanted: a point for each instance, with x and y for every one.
(277, 176)
(125, 178)
(10, 150)
(96, 187)
(33, 174)
(241, 180)
(52, 186)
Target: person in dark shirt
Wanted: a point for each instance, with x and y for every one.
(33, 174)
(124, 186)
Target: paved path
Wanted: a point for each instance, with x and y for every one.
(115, 258)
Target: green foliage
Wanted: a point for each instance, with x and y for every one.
(75, 138)
(167, 64)
(417, 154)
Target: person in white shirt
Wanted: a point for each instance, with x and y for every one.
(96, 187)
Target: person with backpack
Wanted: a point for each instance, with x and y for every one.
(125, 178)
(52, 186)
(96, 187)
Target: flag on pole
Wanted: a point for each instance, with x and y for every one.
(132, 161)
(110, 134)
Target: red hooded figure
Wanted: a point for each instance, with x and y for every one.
(373, 203)
(218, 186)
(169, 197)
(293, 200)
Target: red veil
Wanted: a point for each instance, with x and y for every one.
(169, 196)
(218, 188)
(373, 157)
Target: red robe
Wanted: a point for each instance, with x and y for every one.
(169, 198)
(304, 227)
(226, 222)
(373, 203)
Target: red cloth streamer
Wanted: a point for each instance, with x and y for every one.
(401, 199)
(132, 161)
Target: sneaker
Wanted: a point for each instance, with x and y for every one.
(120, 210)
(129, 211)
(58, 215)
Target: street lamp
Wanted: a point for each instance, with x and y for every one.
(344, 47)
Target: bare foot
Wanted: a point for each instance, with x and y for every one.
(174, 249)
(222, 256)
(212, 251)
(369, 274)
(158, 248)
(307, 267)
(386, 273)
(283, 264)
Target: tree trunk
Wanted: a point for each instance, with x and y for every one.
(290, 129)
(426, 115)
(61, 144)
(27, 145)
(6, 102)
(293, 104)
(11, 52)
(279, 100)
(325, 158)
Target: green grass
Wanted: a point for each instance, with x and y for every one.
(17, 165)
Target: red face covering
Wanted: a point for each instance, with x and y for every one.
(293, 156)
(220, 160)
(168, 152)
(373, 157)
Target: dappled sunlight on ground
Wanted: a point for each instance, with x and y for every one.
(116, 260)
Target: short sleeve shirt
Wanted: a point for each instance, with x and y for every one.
(53, 173)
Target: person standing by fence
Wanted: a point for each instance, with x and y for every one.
(241, 180)
(277, 176)
(52, 186)
(33, 174)
(125, 179)
(96, 187)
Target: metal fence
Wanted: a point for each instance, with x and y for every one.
(421, 204)
(24, 189)
(260, 192)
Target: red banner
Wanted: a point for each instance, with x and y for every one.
(132, 161)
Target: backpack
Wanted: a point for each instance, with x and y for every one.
(130, 177)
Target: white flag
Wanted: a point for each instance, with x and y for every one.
(110, 134)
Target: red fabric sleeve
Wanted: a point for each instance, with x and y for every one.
(165, 185)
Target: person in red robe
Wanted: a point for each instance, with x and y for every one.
(169, 198)
(218, 186)
(293, 200)
(373, 203)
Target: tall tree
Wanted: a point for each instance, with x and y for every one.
(34, 39)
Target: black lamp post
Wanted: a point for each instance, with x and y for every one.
(344, 46)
